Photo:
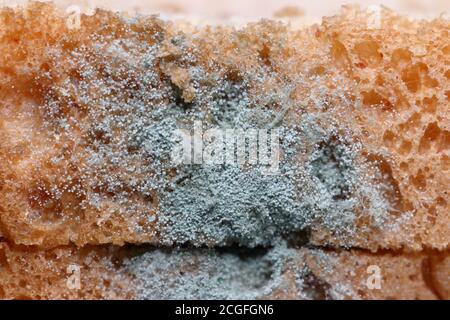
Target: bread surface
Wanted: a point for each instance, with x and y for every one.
(87, 112)
(108, 272)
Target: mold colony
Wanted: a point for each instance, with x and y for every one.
(87, 116)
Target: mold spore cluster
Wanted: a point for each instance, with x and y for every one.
(122, 102)
(227, 273)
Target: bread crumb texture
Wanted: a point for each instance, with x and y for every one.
(87, 117)
(281, 272)
(62, 273)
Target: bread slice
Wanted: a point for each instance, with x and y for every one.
(62, 273)
(87, 113)
(108, 272)
(286, 273)
(410, 276)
